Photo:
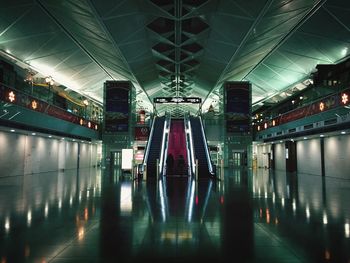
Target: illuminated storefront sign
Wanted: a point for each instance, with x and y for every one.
(344, 98)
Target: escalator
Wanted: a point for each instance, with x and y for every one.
(154, 146)
(177, 163)
(200, 147)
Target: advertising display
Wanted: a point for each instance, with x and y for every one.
(238, 106)
(117, 106)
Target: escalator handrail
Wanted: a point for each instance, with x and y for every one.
(148, 145)
(210, 166)
(164, 144)
(189, 144)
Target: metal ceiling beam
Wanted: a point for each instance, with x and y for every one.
(312, 11)
(66, 31)
(244, 40)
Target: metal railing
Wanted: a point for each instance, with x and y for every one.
(165, 144)
(189, 145)
(210, 166)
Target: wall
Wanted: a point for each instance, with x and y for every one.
(12, 152)
(262, 155)
(309, 156)
(337, 156)
(71, 154)
(22, 154)
(280, 156)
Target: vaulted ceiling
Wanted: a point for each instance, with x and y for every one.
(176, 47)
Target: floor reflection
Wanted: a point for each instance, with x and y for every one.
(249, 216)
(309, 213)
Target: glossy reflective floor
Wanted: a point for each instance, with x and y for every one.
(100, 216)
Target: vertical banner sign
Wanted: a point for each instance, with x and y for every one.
(117, 106)
(238, 106)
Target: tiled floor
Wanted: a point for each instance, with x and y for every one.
(250, 216)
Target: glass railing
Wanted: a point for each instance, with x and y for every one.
(20, 98)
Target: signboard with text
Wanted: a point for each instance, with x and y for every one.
(162, 100)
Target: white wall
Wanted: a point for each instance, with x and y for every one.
(71, 155)
(309, 156)
(280, 156)
(262, 155)
(12, 152)
(26, 154)
(85, 155)
(337, 156)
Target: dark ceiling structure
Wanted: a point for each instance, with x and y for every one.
(180, 48)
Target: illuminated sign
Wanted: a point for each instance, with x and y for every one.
(34, 104)
(321, 106)
(177, 100)
(12, 96)
(344, 98)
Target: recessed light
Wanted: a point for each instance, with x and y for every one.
(321, 135)
(73, 140)
(343, 132)
(33, 133)
(12, 130)
(62, 138)
(281, 141)
(50, 136)
(305, 138)
(82, 141)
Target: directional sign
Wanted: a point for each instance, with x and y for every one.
(177, 100)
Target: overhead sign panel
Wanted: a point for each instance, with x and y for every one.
(238, 106)
(163, 100)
